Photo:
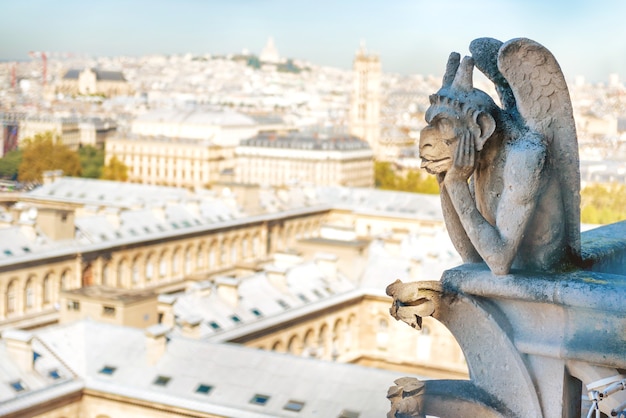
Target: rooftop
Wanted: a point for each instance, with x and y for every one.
(222, 379)
(297, 140)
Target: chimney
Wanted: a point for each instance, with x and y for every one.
(327, 262)
(287, 258)
(277, 276)
(19, 346)
(16, 213)
(156, 342)
(56, 224)
(165, 309)
(51, 176)
(228, 289)
(191, 326)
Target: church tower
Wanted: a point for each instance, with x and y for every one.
(365, 103)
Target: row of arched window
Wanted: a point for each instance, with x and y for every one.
(329, 340)
(33, 294)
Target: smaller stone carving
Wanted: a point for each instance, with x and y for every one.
(405, 398)
(509, 176)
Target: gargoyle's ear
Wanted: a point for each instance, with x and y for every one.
(487, 126)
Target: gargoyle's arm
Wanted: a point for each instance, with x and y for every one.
(498, 244)
(459, 237)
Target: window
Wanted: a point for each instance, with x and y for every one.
(149, 269)
(17, 386)
(108, 370)
(161, 380)
(214, 325)
(303, 298)
(295, 406)
(30, 294)
(283, 304)
(235, 318)
(73, 305)
(108, 311)
(256, 312)
(346, 413)
(54, 374)
(204, 389)
(259, 399)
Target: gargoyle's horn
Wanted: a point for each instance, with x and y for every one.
(463, 78)
(451, 67)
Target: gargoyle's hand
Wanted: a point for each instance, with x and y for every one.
(464, 159)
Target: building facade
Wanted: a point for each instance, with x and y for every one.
(92, 81)
(188, 149)
(170, 162)
(297, 158)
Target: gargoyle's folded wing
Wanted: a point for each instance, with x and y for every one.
(543, 102)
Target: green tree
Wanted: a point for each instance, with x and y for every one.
(10, 163)
(91, 161)
(384, 176)
(46, 152)
(414, 181)
(603, 203)
(115, 170)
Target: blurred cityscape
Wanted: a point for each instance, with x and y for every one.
(240, 270)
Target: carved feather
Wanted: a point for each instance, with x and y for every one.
(543, 102)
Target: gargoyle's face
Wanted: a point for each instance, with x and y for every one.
(438, 142)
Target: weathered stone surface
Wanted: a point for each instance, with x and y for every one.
(521, 206)
(529, 338)
(544, 318)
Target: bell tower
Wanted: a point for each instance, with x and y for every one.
(365, 102)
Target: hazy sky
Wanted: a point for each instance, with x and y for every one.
(588, 37)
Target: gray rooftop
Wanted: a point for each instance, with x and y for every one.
(235, 375)
(304, 141)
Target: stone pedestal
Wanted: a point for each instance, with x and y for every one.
(532, 341)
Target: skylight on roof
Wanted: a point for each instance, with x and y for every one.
(283, 304)
(8, 252)
(204, 389)
(54, 374)
(303, 298)
(235, 318)
(295, 406)
(162, 380)
(256, 312)
(108, 370)
(214, 325)
(259, 399)
(346, 413)
(17, 386)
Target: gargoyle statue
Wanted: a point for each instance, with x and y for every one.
(520, 207)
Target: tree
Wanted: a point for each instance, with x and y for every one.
(415, 181)
(91, 161)
(45, 152)
(384, 176)
(603, 203)
(10, 163)
(115, 170)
